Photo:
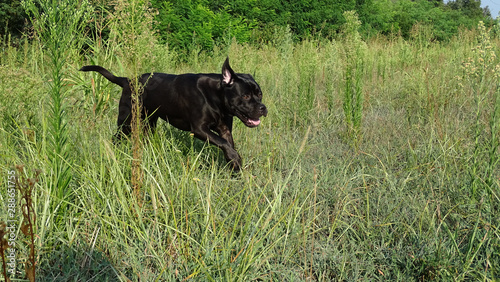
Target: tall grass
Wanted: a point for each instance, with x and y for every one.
(308, 205)
(481, 79)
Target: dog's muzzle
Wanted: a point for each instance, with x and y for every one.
(255, 120)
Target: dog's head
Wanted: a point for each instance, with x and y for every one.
(243, 97)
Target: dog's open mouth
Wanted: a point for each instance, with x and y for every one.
(250, 122)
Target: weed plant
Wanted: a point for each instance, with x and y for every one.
(307, 205)
(132, 31)
(55, 24)
(354, 49)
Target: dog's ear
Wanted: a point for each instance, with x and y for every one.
(228, 75)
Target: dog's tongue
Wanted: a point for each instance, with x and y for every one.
(254, 122)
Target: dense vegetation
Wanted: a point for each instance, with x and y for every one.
(378, 160)
(199, 24)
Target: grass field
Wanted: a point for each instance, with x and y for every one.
(412, 194)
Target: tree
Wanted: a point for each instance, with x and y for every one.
(12, 17)
(470, 8)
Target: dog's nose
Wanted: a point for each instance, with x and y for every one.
(263, 110)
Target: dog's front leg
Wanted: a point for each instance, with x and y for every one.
(226, 146)
(224, 130)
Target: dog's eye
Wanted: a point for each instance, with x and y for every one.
(246, 97)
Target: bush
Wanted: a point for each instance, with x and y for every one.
(191, 24)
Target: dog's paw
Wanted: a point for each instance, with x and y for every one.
(237, 164)
(234, 159)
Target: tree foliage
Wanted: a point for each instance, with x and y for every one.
(12, 16)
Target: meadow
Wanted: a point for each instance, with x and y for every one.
(378, 160)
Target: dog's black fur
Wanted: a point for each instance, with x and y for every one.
(201, 103)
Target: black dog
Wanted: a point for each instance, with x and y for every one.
(201, 103)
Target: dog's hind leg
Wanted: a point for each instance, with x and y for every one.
(150, 124)
(124, 128)
(124, 115)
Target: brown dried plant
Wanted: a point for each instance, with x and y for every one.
(3, 247)
(25, 187)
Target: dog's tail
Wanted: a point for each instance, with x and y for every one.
(121, 81)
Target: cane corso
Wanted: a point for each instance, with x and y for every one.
(204, 104)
